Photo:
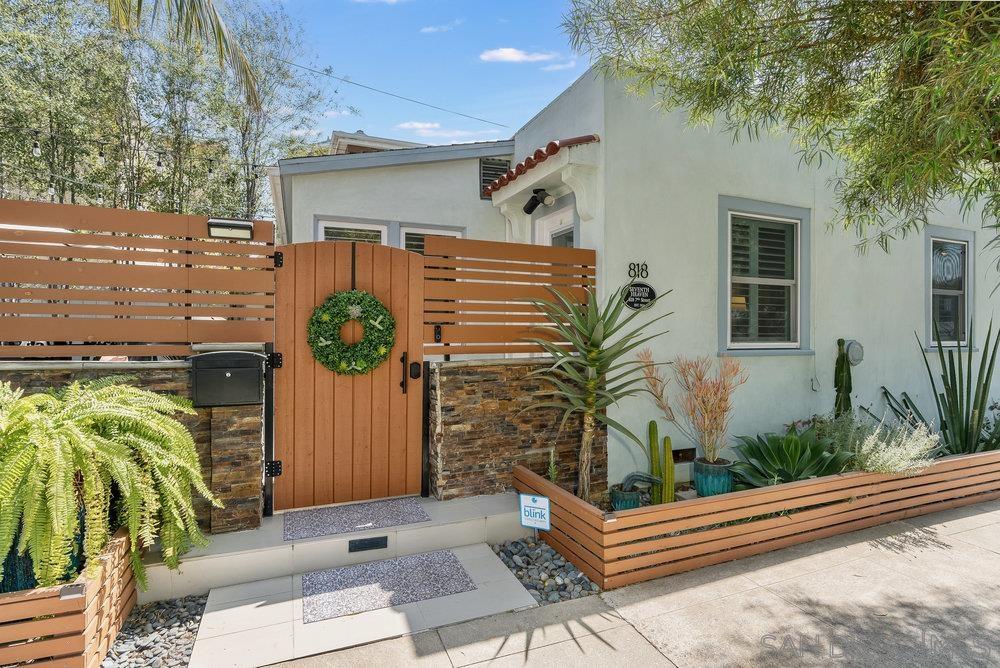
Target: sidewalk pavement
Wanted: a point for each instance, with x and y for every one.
(925, 592)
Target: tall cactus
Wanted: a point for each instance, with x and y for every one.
(661, 465)
(667, 466)
(655, 469)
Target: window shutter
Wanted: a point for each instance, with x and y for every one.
(762, 253)
(348, 234)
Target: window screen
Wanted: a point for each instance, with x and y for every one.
(414, 241)
(763, 292)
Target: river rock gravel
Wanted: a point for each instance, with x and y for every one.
(547, 576)
(158, 635)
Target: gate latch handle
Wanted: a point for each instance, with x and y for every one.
(402, 383)
(414, 370)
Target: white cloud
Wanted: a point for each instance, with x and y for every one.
(336, 113)
(307, 133)
(444, 27)
(418, 125)
(510, 55)
(429, 130)
(555, 67)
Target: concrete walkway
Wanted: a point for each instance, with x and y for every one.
(925, 592)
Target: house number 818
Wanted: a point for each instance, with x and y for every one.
(638, 270)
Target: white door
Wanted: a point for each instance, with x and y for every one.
(556, 229)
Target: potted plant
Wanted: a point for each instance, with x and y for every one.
(705, 406)
(627, 494)
(77, 464)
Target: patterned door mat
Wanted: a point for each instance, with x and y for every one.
(349, 590)
(365, 516)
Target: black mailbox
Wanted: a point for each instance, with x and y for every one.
(227, 379)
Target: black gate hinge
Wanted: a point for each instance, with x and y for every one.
(279, 259)
(274, 360)
(272, 469)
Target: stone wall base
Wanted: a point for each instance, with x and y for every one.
(479, 430)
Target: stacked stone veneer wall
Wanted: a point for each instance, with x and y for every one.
(478, 431)
(229, 439)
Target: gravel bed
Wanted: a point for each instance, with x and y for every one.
(158, 635)
(544, 573)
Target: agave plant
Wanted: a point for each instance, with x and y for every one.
(592, 373)
(770, 459)
(66, 456)
(963, 399)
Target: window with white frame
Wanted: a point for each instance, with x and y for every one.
(360, 232)
(763, 282)
(412, 238)
(949, 289)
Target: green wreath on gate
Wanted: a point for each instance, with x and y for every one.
(358, 358)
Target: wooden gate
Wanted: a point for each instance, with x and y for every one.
(347, 438)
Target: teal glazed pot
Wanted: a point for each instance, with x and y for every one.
(711, 478)
(625, 500)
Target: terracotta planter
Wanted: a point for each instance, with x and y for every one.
(711, 478)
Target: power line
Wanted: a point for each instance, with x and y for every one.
(385, 92)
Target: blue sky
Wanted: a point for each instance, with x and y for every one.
(502, 61)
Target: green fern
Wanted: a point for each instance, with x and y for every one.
(64, 453)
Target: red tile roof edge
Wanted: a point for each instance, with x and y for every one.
(540, 155)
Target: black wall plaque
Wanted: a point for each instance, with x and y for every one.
(639, 295)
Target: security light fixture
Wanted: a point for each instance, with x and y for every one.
(539, 196)
(222, 228)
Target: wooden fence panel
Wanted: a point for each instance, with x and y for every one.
(477, 294)
(87, 281)
(70, 625)
(617, 549)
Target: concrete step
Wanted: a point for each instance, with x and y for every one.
(262, 554)
(263, 622)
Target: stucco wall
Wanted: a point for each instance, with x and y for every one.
(662, 184)
(434, 193)
(578, 110)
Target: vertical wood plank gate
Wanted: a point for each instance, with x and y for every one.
(347, 438)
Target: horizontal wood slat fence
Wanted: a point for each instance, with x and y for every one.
(73, 625)
(90, 281)
(622, 548)
(477, 294)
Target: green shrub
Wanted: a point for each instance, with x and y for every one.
(770, 459)
(66, 456)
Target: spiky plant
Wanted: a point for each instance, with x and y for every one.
(770, 459)
(591, 373)
(69, 454)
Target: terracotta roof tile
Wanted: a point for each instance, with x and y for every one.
(540, 155)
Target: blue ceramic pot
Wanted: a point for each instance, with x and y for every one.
(711, 478)
(625, 500)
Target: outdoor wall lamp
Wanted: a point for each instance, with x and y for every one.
(221, 228)
(539, 196)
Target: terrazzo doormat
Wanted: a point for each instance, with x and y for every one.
(349, 590)
(332, 520)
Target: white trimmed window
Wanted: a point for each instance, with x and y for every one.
(361, 232)
(949, 288)
(763, 282)
(412, 238)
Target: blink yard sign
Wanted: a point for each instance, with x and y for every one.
(535, 512)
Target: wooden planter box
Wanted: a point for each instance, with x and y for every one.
(617, 549)
(72, 624)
